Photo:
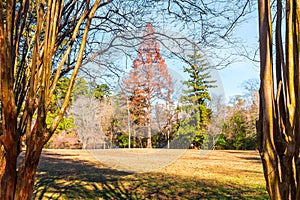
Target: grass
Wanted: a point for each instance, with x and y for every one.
(75, 174)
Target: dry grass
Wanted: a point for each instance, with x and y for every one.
(75, 174)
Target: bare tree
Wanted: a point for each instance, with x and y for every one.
(88, 113)
(217, 120)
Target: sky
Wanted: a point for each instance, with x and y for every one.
(235, 74)
(231, 78)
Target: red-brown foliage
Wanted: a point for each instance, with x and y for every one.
(149, 80)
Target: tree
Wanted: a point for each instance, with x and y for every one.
(81, 88)
(196, 97)
(252, 100)
(235, 128)
(124, 116)
(93, 110)
(278, 126)
(36, 41)
(239, 124)
(101, 91)
(149, 79)
(67, 122)
(89, 122)
(219, 112)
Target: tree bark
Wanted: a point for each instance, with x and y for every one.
(265, 128)
(34, 79)
(278, 127)
(149, 134)
(27, 172)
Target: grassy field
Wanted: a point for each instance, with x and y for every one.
(75, 174)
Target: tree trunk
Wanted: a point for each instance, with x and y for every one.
(2, 161)
(36, 83)
(278, 127)
(149, 135)
(18, 184)
(134, 138)
(26, 173)
(9, 177)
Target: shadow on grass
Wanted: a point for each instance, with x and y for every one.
(61, 178)
(257, 159)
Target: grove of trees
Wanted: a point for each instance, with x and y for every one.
(238, 130)
(44, 41)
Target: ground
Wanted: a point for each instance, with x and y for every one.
(76, 174)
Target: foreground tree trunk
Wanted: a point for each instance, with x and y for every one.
(28, 80)
(278, 127)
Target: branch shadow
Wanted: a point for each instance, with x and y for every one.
(65, 178)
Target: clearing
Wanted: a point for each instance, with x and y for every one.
(76, 174)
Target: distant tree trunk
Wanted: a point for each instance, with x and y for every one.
(278, 127)
(149, 135)
(134, 138)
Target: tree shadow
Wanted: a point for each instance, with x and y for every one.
(58, 177)
(66, 178)
(257, 159)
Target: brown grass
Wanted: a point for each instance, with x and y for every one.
(75, 174)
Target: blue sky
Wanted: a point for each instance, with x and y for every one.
(235, 74)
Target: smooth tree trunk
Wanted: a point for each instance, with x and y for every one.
(278, 127)
(149, 134)
(27, 172)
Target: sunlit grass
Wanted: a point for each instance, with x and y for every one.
(219, 175)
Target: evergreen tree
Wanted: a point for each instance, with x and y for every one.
(81, 87)
(100, 91)
(67, 122)
(195, 99)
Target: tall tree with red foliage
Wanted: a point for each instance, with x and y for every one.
(150, 77)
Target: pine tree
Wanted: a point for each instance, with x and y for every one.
(196, 97)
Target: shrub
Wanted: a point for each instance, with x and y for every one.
(64, 140)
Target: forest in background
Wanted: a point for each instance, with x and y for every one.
(144, 114)
(237, 121)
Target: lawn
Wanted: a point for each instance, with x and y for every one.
(76, 174)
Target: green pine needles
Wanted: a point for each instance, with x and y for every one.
(194, 101)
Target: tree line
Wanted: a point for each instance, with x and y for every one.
(144, 115)
(237, 123)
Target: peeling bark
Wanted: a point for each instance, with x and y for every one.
(34, 80)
